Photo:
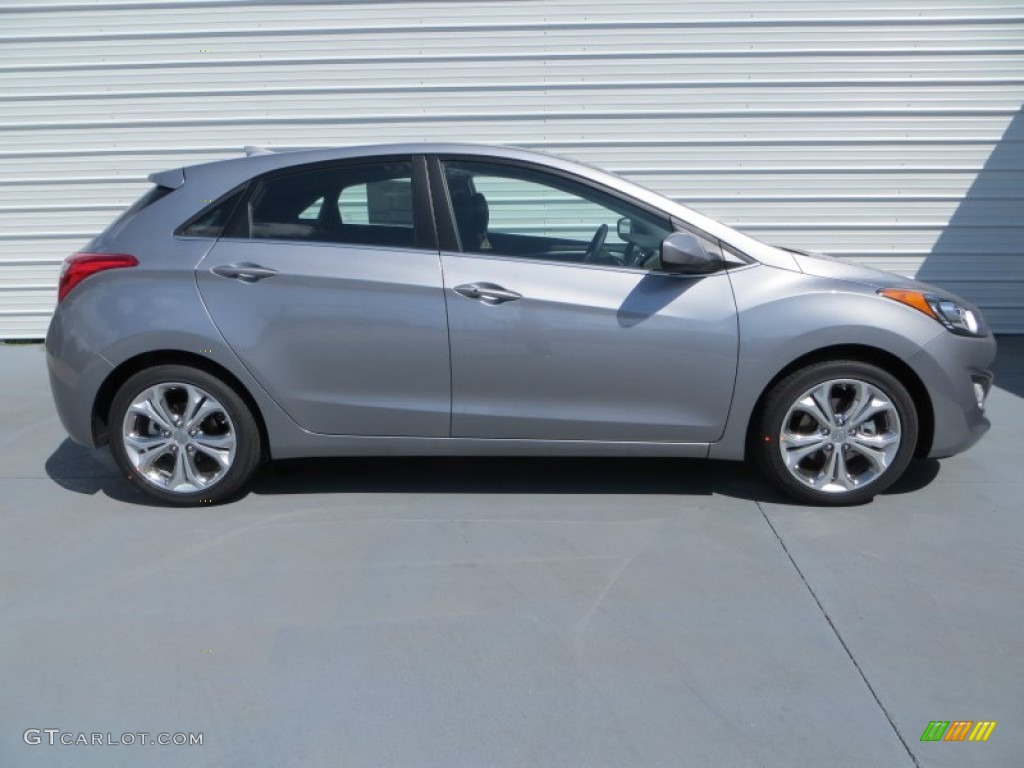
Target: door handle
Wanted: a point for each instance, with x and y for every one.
(488, 293)
(246, 272)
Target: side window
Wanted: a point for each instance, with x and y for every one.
(532, 214)
(211, 223)
(364, 203)
(313, 212)
(377, 202)
(353, 205)
(528, 208)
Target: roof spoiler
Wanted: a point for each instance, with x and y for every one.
(171, 179)
(251, 151)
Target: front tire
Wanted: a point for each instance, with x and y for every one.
(836, 433)
(183, 436)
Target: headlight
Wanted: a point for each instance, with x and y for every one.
(952, 314)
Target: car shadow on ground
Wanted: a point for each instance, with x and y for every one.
(86, 471)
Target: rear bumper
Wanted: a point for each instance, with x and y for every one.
(949, 366)
(76, 374)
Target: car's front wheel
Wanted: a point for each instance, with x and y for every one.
(183, 435)
(836, 432)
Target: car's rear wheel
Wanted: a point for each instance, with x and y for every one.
(183, 435)
(836, 433)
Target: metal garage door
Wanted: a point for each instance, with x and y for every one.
(886, 132)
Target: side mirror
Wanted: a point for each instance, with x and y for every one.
(625, 228)
(685, 252)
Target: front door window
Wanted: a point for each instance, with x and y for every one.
(506, 210)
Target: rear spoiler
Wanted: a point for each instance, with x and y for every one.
(170, 179)
(175, 178)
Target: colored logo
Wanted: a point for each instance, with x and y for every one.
(958, 730)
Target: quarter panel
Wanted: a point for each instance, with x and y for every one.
(120, 314)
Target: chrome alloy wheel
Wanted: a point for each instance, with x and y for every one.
(178, 437)
(840, 436)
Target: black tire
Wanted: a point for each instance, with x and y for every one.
(240, 422)
(767, 446)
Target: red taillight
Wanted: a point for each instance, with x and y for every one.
(78, 267)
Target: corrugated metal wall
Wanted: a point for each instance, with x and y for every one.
(886, 132)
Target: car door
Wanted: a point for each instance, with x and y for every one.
(327, 285)
(557, 336)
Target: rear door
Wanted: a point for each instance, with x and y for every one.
(562, 325)
(328, 287)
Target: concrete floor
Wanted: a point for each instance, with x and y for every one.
(507, 612)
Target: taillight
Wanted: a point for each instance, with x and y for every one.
(78, 267)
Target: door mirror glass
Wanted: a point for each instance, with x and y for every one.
(625, 228)
(689, 253)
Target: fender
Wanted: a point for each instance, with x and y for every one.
(775, 331)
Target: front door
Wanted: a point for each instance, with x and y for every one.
(562, 325)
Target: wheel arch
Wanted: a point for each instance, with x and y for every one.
(865, 354)
(128, 368)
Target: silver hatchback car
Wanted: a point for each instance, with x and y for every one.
(462, 299)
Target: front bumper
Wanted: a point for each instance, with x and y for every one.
(950, 366)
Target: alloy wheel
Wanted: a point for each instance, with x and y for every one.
(179, 437)
(840, 435)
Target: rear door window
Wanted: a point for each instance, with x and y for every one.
(365, 203)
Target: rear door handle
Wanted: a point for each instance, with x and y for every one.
(246, 272)
(488, 293)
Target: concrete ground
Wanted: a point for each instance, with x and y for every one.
(507, 612)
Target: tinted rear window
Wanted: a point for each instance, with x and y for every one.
(154, 194)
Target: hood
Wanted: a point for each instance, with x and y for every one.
(820, 265)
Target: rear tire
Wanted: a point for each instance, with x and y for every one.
(836, 433)
(183, 436)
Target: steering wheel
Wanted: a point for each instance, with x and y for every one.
(632, 256)
(596, 244)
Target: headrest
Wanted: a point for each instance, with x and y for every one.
(479, 212)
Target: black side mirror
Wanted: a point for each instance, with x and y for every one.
(687, 253)
(625, 228)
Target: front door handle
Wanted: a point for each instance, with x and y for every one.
(246, 272)
(488, 293)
